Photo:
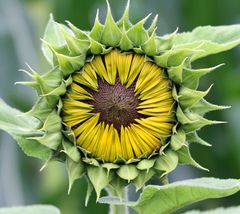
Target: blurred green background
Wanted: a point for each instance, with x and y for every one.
(22, 24)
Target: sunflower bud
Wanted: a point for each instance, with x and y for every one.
(120, 103)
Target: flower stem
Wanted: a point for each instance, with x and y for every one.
(118, 209)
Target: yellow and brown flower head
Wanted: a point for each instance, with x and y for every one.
(121, 103)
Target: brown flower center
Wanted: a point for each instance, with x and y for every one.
(115, 103)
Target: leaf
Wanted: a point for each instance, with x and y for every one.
(165, 199)
(209, 39)
(34, 209)
(168, 198)
(21, 127)
(221, 210)
(54, 36)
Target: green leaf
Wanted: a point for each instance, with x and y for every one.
(221, 210)
(54, 36)
(34, 209)
(21, 127)
(209, 39)
(176, 73)
(165, 199)
(168, 198)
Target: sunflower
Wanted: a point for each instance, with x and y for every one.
(120, 104)
(119, 107)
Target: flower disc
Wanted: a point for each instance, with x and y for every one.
(119, 107)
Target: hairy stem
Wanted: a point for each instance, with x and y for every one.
(117, 209)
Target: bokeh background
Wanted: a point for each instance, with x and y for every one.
(22, 24)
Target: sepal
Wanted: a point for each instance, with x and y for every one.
(124, 22)
(111, 34)
(128, 172)
(203, 107)
(140, 181)
(76, 46)
(75, 171)
(185, 157)
(191, 77)
(54, 36)
(137, 34)
(99, 178)
(96, 32)
(178, 140)
(71, 150)
(150, 47)
(166, 162)
(188, 97)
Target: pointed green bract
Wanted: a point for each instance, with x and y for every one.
(186, 158)
(75, 171)
(140, 181)
(111, 34)
(137, 34)
(178, 140)
(96, 32)
(166, 162)
(189, 97)
(128, 172)
(54, 36)
(99, 178)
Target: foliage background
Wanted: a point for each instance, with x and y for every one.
(22, 23)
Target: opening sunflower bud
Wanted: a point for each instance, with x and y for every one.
(119, 107)
(120, 103)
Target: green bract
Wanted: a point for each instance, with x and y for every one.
(68, 48)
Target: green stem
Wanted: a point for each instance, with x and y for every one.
(117, 209)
